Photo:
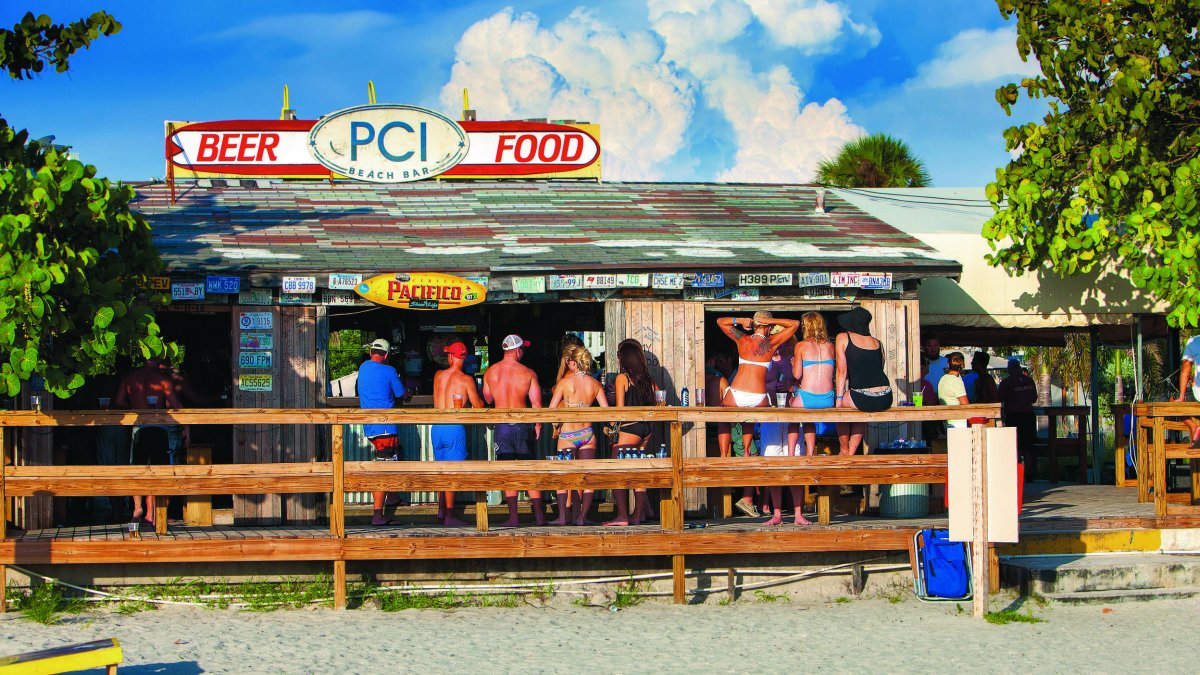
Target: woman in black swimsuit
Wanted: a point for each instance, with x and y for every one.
(634, 387)
(860, 381)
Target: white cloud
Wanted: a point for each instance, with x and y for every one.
(780, 137)
(580, 68)
(972, 57)
(813, 26)
(316, 30)
(642, 86)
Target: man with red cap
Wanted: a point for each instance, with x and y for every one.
(452, 389)
(509, 384)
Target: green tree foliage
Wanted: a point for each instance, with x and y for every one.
(73, 257)
(874, 161)
(1109, 175)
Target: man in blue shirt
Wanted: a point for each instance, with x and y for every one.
(379, 386)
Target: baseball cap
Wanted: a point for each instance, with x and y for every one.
(457, 349)
(382, 345)
(514, 341)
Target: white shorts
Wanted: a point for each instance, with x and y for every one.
(772, 438)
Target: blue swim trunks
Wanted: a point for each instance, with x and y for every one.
(449, 442)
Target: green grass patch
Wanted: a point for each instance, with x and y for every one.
(47, 603)
(1006, 616)
(764, 596)
(628, 594)
(399, 600)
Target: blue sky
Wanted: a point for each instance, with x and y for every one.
(707, 90)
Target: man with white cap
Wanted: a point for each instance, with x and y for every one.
(452, 389)
(379, 387)
(509, 384)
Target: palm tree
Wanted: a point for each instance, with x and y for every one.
(874, 161)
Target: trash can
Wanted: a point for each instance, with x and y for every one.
(904, 500)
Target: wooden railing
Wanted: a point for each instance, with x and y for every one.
(1154, 421)
(337, 476)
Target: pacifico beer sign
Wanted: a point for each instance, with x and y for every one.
(386, 143)
(422, 290)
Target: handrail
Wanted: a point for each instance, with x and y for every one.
(301, 416)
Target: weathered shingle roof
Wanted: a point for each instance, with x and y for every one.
(501, 226)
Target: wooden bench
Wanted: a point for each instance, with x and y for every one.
(84, 656)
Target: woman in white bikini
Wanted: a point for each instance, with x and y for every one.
(577, 389)
(756, 344)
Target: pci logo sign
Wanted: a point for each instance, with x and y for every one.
(388, 143)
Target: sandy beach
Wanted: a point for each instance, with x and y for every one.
(861, 635)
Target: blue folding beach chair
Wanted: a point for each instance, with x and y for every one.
(943, 567)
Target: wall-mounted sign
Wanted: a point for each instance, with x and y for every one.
(255, 382)
(709, 280)
(876, 281)
(254, 320)
(817, 293)
(387, 143)
(297, 299)
(341, 298)
(279, 148)
(765, 279)
(187, 291)
(599, 281)
(297, 285)
(666, 281)
(421, 290)
(564, 282)
(812, 279)
(627, 280)
(339, 281)
(481, 280)
(254, 359)
(529, 284)
(256, 341)
(153, 283)
(256, 296)
(215, 284)
(637, 292)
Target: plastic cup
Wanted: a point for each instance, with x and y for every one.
(105, 402)
(457, 401)
(152, 401)
(660, 397)
(35, 402)
(918, 400)
(700, 400)
(781, 400)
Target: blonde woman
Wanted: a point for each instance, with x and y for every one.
(577, 389)
(813, 366)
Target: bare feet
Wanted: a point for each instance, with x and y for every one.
(617, 522)
(775, 520)
(559, 521)
(801, 520)
(512, 522)
(582, 521)
(137, 514)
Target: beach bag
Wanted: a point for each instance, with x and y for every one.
(943, 570)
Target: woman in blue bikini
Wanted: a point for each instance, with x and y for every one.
(813, 367)
(577, 389)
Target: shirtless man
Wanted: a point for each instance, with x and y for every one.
(151, 386)
(452, 389)
(508, 384)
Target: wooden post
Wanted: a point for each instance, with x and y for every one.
(337, 499)
(160, 515)
(3, 496)
(726, 502)
(993, 569)
(197, 509)
(823, 508)
(1159, 467)
(481, 511)
(339, 584)
(731, 584)
(979, 539)
(678, 568)
(1144, 472)
(3, 589)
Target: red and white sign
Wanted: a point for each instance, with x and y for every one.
(280, 149)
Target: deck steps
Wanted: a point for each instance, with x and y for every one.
(1106, 577)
